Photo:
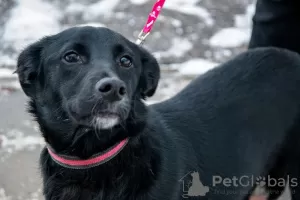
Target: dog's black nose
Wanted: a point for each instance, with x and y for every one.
(111, 89)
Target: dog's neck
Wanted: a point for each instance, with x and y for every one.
(84, 142)
(128, 175)
(139, 160)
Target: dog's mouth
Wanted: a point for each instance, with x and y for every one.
(102, 120)
(98, 115)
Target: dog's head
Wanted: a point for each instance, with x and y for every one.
(86, 76)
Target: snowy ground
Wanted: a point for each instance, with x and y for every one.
(189, 38)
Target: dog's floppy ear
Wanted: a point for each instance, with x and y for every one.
(150, 74)
(28, 65)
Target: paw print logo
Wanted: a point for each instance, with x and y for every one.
(261, 181)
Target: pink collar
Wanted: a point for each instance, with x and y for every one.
(73, 162)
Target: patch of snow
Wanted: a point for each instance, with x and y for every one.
(120, 15)
(139, 2)
(229, 38)
(235, 36)
(177, 23)
(7, 73)
(29, 21)
(92, 11)
(244, 21)
(75, 8)
(6, 60)
(35, 195)
(8, 87)
(190, 7)
(104, 7)
(178, 48)
(195, 67)
(32, 124)
(3, 196)
(15, 140)
(131, 22)
(180, 2)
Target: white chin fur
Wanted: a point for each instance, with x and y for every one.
(106, 122)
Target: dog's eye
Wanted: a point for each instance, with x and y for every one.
(125, 61)
(72, 57)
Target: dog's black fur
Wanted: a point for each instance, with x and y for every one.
(276, 23)
(240, 119)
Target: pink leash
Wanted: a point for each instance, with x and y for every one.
(150, 22)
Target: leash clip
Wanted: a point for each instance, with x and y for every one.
(142, 37)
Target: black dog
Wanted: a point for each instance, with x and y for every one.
(86, 87)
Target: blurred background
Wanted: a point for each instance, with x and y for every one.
(189, 38)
